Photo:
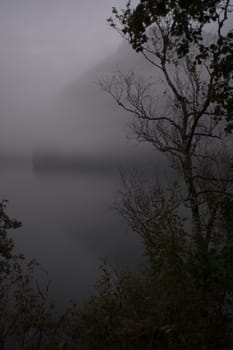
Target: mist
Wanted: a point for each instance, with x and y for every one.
(135, 172)
(52, 53)
(44, 45)
(63, 139)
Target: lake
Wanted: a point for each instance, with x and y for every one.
(68, 225)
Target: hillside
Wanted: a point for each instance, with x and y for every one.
(85, 119)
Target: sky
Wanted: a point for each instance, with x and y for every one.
(58, 39)
(55, 40)
(61, 37)
(44, 45)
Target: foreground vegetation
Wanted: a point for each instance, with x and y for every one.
(177, 300)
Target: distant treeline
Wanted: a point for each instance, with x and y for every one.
(87, 163)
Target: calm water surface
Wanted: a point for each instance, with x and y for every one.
(68, 225)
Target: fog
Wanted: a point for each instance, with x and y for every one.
(51, 54)
(55, 117)
(43, 46)
(55, 121)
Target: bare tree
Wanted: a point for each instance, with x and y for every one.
(182, 115)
